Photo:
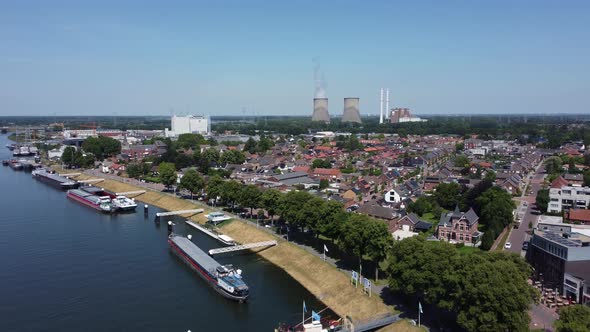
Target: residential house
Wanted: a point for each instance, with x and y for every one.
(459, 227)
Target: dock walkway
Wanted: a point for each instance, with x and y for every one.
(175, 213)
(243, 247)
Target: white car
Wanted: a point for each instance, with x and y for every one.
(507, 245)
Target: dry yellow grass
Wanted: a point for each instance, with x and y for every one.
(328, 284)
(402, 326)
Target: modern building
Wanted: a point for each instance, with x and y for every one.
(459, 227)
(191, 124)
(568, 197)
(561, 259)
(400, 115)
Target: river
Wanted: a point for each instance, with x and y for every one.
(66, 267)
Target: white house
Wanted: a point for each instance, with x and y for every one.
(392, 196)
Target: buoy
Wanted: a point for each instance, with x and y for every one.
(190, 237)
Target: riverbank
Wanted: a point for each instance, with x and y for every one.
(327, 283)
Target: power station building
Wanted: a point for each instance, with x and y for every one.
(351, 110)
(191, 124)
(400, 115)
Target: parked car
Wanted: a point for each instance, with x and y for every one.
(525, 245)
(507, 245)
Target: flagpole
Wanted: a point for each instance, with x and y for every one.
(324, 252)
(303, 315)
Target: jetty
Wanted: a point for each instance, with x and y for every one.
(220, 237)
(69, 174)
(243, 247)
(127, 193)
(175, 213)
(91, 181)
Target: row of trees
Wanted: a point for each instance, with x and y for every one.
(358, 235)
(102, 146)
(73, 157)
(484, 291)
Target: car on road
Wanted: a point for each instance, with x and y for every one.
(507, 245)
(525, 245)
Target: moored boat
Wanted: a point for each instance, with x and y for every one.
(226, 280)
(119, 202)
(99, 203)
(15, 165)
(54, 179)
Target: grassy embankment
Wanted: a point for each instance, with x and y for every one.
(324, 281)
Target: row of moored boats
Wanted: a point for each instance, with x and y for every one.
(91, 196)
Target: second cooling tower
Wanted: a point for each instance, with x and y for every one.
(351, 110)
(320, 110)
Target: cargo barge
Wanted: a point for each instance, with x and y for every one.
(223, 278)
(99, 203)
(120, 203)
(54, 179)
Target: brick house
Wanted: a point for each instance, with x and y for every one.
(459, 227)
(414, 223)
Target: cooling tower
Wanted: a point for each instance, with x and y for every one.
(320, 110)
(351, 110)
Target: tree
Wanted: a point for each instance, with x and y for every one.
(461, 161)
(362, 235)
(332, 218)
(232, 157)
(587, 178)
(167, 174)
(192, 181)
(415, 267)
(447, 195)
(496, 206)
(67, 156)
(250, 145)
(459, 147)
(270, 200)
(553, 165)
(421, 206)
(214, 187)
(324, 183)
(542, 200)
(250, 197)
(291, 207)
(575, 318)
(498, 304)
(230, 192)
(134, 170)
(102, 146)
(321, 163)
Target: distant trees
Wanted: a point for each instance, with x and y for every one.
(263, 145)
(75, 158)
(167, 174)
(461, 161)
(574, 318)
(102, 146)
(553, 165)
(496, 206)
(448, 195)
(232, 157)
(437, 273)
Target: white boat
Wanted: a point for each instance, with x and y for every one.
(217, 217)
(122, 203)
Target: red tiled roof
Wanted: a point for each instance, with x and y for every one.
(327, 171)
(579, 215)
(559, 182)
(301, 169)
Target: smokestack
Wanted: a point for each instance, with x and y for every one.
(387, 103)
(381, 108)
(320, 110)
(351, 110)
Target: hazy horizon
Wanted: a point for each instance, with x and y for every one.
(134, 58)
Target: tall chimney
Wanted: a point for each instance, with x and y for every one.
(387, 103)
(381, 108)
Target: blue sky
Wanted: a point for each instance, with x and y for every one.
(230, 57)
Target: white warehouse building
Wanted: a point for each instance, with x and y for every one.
(191, 124)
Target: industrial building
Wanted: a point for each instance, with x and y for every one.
(191, 124)
(351, 110)
(400, 115)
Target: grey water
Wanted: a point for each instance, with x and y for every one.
(66, 267)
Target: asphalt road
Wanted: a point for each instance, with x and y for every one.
(527, 201)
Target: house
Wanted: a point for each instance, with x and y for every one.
(459, 227)
(392, 196)
(412, 221)
(403, 233)
(579, 216)
(377, 211)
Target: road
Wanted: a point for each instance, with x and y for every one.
(527, 200)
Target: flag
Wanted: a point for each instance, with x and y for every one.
(315, 316)
(420, 307)
(304, 307)
(325, 248)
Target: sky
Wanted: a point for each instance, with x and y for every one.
(222, 57)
